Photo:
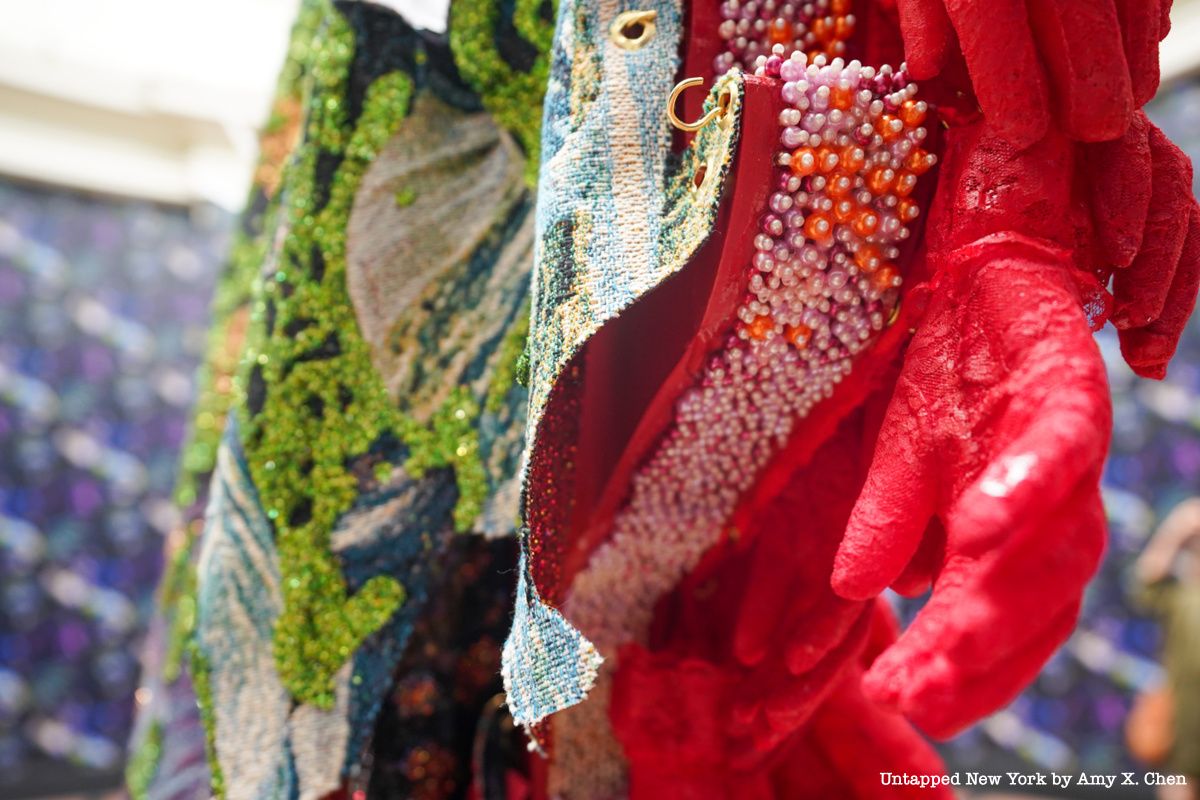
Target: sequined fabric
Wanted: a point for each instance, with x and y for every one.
(374, 413)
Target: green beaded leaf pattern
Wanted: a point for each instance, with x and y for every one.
(324, 402)
(514, 96)
(200, 681)
(231, 302)
(313, 400)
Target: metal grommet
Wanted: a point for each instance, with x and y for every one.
(632, 29)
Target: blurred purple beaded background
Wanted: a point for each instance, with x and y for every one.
(103, 317)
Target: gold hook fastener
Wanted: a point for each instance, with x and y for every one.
(719, 110)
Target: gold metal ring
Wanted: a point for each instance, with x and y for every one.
(719, 110)
(641, 21)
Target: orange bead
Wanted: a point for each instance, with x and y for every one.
(840, 185)
(881, 179)
(912, 113)
(886, 277)
(890, 127)
(781, 32)
(905, 183)
(843, 28)
(908, 210)
(822, 28)
(841, 97)
(865, 222)
(827, 159)
(845, 211)
(853, 158)
(761, 327)
(798, 335)
(818, 228)
(840, 7)
(918, 162)
(867, 258)
(804, 162)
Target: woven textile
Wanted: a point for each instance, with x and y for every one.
(618, 214)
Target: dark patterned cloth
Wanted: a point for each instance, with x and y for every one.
(443, 727)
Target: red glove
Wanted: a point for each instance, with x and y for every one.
(1147, 235)
(997, 430)
(1093, 61)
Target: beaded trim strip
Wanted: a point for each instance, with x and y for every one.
(821, 286)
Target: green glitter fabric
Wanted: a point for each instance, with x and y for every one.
(514, 96)
(139, 772)
(231, 303)
(166, 750)
(373, 408)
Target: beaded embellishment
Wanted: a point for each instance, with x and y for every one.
(752, 29)
(822, 284)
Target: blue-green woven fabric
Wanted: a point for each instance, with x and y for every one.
(617, 213)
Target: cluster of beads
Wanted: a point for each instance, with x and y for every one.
(821, 284)
(752, 29)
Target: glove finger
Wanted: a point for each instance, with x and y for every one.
(792, 703)
(772, 704)
(948, 700)
(1119, 173)
(1140, 292)
(922, 570)
(862, 740)
(980, 611)
(895, 504)
(1148, 349)
(1140, 33)
(1009, 82)
(1080, 41)
(813, 634)
(927, 35)
(885, 630)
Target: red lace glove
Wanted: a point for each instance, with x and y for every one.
(993, 443)
(1093, 61)
(1147, 232)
